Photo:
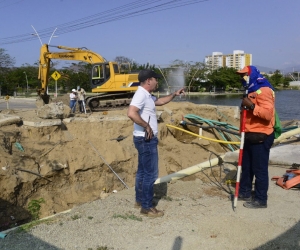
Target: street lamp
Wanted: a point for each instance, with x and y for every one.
(26, 81)
(37, 34)
(52, 36)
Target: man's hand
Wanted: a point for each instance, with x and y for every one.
(148, 133)
(179, 92)
(247, 104)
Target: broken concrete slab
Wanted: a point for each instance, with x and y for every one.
(9, 119)
(282, 154)
(43, 123)
(285, 154)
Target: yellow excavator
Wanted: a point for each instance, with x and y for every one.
(113, 87)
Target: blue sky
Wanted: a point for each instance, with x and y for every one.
(267, 29)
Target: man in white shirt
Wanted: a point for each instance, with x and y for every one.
(73, 99)
(142, 112)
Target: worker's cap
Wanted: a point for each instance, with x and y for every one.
(146, 74)
(73, 90)
(244, 70)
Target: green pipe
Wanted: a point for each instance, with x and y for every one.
(2, 235)
(211, 123)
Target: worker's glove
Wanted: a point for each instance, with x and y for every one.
(247, 104)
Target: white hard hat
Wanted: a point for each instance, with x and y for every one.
(73, 90)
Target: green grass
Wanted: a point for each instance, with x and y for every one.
(103, 248)
(75, 217)
(127, 216)
(26, 227)
(34, 207)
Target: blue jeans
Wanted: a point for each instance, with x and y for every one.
(73, 105)
(147, 171)
(255, 162)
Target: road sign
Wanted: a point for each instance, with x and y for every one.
(56, 75)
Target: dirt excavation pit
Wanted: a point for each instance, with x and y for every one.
(66, 165)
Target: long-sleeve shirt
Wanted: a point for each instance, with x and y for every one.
(261, 119)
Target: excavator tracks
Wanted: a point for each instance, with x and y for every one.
(108, 101)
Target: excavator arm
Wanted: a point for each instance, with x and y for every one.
(74, 54)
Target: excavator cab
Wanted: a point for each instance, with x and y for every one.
(101, 73)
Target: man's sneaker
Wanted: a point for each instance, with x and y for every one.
(243, 198)
(254, 204)
(137, 205)
(152, 212)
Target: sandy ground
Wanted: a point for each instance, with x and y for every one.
(197, 216)
(70, 174)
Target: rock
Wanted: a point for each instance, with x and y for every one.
(54, 111)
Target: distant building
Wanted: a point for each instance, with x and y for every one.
(238, 60)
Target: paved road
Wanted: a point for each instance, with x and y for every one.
(18, 103)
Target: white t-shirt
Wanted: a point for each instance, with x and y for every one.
(144, 101)
(72, 96)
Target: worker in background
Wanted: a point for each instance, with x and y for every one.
(259, 137)
(143, 113)
(81, 97)
(73, 100)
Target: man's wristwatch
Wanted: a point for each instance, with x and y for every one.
(252, 106)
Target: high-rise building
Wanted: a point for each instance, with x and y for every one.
(238, 60)
(216, 60)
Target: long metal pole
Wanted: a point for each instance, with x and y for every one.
(240, 160)
(55, 88)
(83, 104)
(108, 165)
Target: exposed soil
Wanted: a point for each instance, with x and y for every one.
(71, 164)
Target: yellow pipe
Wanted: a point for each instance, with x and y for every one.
(287, 135)
(210, 139)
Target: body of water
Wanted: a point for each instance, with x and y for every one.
(287, 102)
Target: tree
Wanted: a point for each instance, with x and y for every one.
(6, 64)
(122, 59)
(6, 61)
(225, 78)
(276, 79)
(196, 76)
(77, 74)
(286, 82)
(193, 73)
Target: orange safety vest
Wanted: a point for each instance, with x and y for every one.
(289, 180)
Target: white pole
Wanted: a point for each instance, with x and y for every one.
(52, 36)
(83, 104)
(55, 88)
(37, 35)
